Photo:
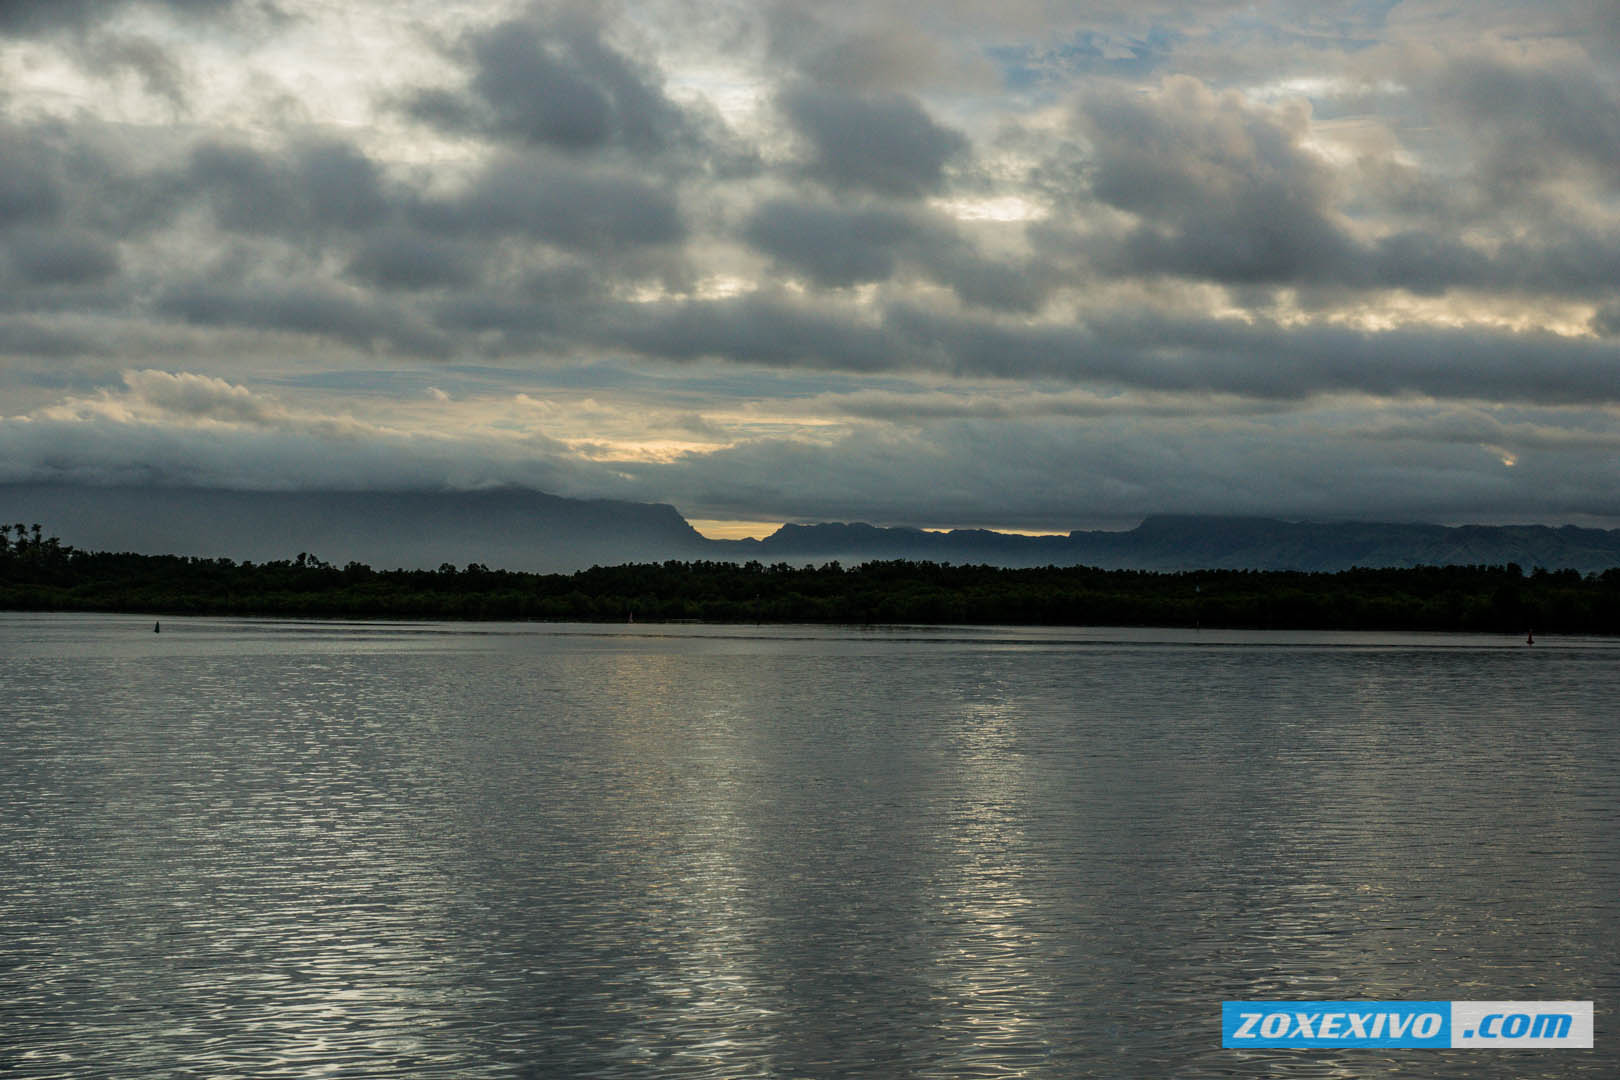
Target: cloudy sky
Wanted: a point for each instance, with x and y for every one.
(1032, 265)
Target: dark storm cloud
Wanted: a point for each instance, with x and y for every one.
(31, 180)
(519, 325)
(1221, 188)
(315, 185)
(554, 82)
(1560, 259)
(77, 177)
(769, 330)
(1272, 361)
(544, 97)
(314, 309)
(881, 143)
(1606, 320)
(990, 284)
(1259, 360)
(59, 257)
(551, 308)
(1532, 122)
(838, 246)
(562, 202)
(833, 246)
(25, 336)
(404, 258)
(68, 202)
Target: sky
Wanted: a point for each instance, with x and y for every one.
(1029, 265)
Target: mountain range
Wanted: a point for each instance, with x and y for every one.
(518, 529)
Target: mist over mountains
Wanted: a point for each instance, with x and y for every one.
(520, 529)
(504, 528)
(1187, 542)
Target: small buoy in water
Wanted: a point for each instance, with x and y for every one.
(1530, 637)
(157, 628)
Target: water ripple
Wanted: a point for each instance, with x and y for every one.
(254, 849)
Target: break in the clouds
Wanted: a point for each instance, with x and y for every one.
(1029, 265)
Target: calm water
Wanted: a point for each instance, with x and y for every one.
(283, 849)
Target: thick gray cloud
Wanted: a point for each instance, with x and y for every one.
(83, 178)
(574, 206)
(1532, 122)
(1266, 361)
(775, 331)
(1606, 320)
(358, 321)
(881, 143)
(31, 183)
(1162, 242)
(838, 246)
(553, 81)
(1558, 259)
(68, 204)
(834, 247)
(405, 258)
(59, 257)
(320, 184)
(39, 337)
(547, 310)
(1220, 188)
(1270, 360)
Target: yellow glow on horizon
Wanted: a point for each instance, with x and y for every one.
(719, 529)
(998, 529)
(728, 529)
(655, 450)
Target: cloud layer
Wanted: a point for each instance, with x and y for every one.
(1035, 266)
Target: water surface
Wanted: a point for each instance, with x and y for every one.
(257, 848)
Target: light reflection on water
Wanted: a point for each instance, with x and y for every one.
(256, 848)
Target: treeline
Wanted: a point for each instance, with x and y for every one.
(38, 573)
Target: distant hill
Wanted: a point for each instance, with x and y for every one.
(505, 528)
(518, 529)
(1185, 542)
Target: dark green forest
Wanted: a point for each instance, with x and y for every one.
(39, 573)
